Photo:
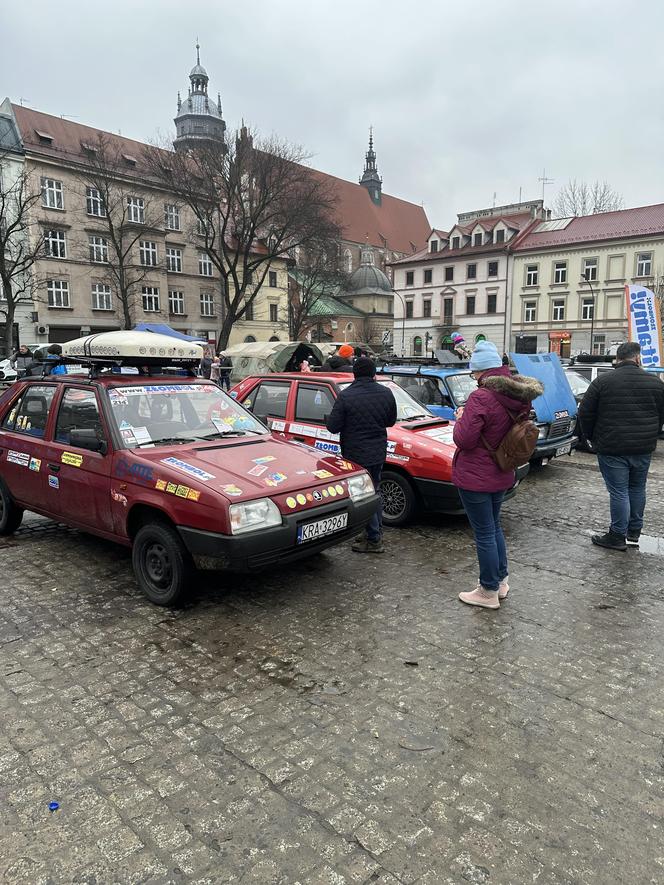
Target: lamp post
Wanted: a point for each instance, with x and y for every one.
(586, 279)
(403, 321)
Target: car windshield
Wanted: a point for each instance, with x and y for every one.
(407, 407)
(578, 383)
(461, 386)
(154, 414)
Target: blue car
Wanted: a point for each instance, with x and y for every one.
(444, 386)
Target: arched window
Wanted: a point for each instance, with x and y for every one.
(349, 328)
(417, 345)
(273, 338)
(348, 260)
(249, 339)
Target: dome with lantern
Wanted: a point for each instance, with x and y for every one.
(368, 279)
(198, 121)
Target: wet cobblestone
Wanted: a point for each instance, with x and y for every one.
(344, 720)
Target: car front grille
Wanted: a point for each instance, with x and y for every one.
(561, 427)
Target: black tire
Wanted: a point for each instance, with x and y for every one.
(537, 464)
(399, 501)
(11, 515)
(161, 563)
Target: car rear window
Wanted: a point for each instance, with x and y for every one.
(313, 403)
(29, 414)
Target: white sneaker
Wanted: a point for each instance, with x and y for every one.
(480, 597)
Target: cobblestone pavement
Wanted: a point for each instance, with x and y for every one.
(345, 720)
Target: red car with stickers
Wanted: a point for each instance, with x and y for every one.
(169, 465)
(420, 450)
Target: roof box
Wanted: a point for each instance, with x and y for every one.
(132, 348)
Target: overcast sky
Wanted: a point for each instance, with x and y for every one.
(465, 99)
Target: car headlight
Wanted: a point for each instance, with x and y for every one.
(542, 431)
(360, 487)
(253, 515)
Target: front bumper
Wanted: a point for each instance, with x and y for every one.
(549, 448)
(256, 550)
(443, 497)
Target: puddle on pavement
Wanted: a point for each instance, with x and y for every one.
(648, 544)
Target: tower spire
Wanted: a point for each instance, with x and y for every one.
(198, 52)
(370, 179)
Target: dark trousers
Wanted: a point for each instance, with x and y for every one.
(225, 380)
(483, 511)
(375, 526)
(625, 479)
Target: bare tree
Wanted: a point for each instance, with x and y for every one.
(21, 242)
(317, 275)
(582, 198)
(123, 211)
(254, 202)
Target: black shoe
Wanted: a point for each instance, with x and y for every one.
(633, 537)
(610, 541)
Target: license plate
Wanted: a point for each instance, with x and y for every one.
(312, 531)
(564, 450)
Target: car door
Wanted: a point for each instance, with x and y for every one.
(268, 400)
(23, 447)
(312, 403)
(79, 481)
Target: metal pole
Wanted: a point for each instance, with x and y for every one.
(403, 321)
(592, 310)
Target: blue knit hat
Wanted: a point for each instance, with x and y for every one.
(485, 356)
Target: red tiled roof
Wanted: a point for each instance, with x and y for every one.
(624, 223)
(396, 224)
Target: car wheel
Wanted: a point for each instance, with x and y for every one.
(536, 464)
(161, 563)
(11, 515)
(398, 498)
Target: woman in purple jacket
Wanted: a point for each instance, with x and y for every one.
(481, 483)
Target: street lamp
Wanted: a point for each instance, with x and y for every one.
(585, 278)
(403, 321)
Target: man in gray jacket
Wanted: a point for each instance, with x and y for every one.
(21, 360)
(622, 414)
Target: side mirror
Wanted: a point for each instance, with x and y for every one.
(86, 438)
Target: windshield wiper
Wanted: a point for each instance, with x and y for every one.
(166, 440)
(417, 417)
(222, 434)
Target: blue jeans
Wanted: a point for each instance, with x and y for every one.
(375, 526)
(625, 479)
(483, 511)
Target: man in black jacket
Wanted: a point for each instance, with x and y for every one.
(622, 414)
(361, 415)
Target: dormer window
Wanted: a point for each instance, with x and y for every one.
(500, 235)
(44, 137)
(477, 240)
(129, 160)
(456, 242)
(433, 246)
(89, 148)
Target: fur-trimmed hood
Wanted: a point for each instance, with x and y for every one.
(518, 387)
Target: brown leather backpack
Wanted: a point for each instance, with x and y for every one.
(518, 444)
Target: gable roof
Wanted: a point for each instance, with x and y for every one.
(396, 224)
(642, 221)
(329, 306)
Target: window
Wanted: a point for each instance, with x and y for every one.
(313, 403)
(172, 216)
(410, 277)
(409, 310)
(471, 271)
(98, 250)
(448, 311)
(426, 307)
(274, 313)
(204, 264)
(150, 297)
(599, 344)
(427, 276)
(492, 302)
(58, 293)
(272, 279)
(470, 304)
(348, 260)
(175, 302)
(587, 308)
(500, 235)
(94, 202)
(532, 274)
(249, 312)
(136, 209)
(433, 246)
(148, 253)
(644, 264)
(207, 304)
(530, 312)
(201, 227)
(449, 274)
(269, 398)
(589, 271)
(78, 411)
(52, 194)
(55, 245)
(492, 269)
(477, 240)
(560, 272)
(30, 414)
(456, 242)
(173, 259)
(101, 297)
(417, 346)
(558, 309)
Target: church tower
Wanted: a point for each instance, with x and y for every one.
(371, 180)
(198, 122)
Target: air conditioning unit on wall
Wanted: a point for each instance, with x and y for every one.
(41, 330)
